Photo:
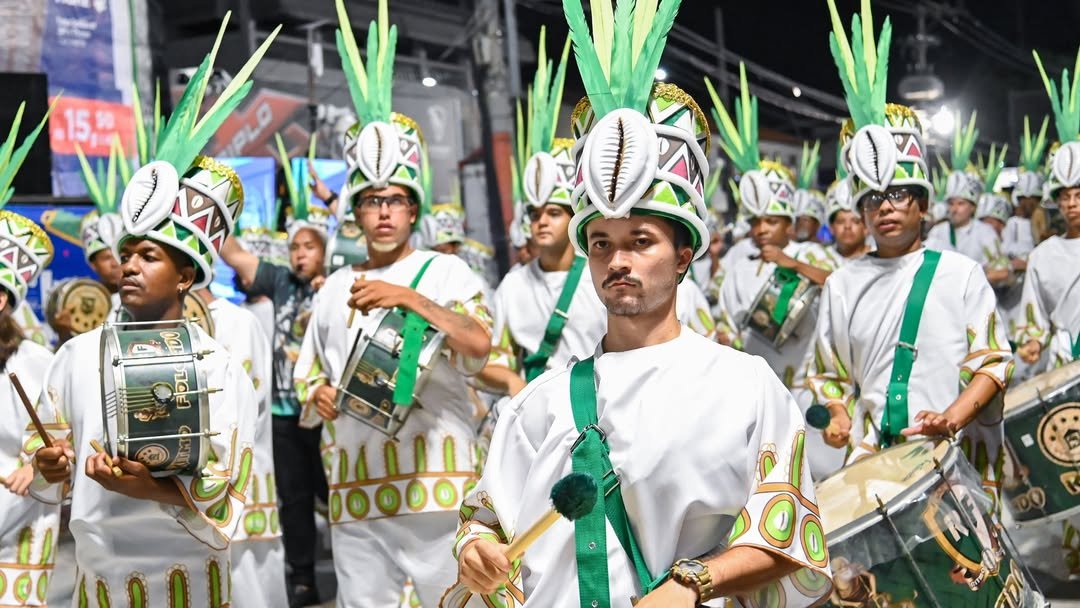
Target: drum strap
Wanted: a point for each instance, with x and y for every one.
(536, 363)
(589, 455)
(789, 281)
(412, 334)
(895, 417)
(952, 235)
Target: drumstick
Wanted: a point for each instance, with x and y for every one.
(572, 497)
(40, 428)
(108, 459)
(352, 313)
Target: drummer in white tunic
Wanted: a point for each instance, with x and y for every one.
(939, 371)
(157, 540)
(682, 498)
(393, 502)
(28, 528)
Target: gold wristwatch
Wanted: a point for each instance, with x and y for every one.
(695, 574)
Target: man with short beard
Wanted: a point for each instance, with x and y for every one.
(394, 492)
(865, 369)
(631, 415)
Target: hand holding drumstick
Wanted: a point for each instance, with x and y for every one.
(352, 313)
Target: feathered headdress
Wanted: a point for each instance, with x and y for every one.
(964, 182)
(383, 148)
(25, 249)
(546, 165)
(301, 213)
(882, 142)
(1064, 162)
(166, 199)
(641, 146)
(1029, 180)
(809, 201)
(766, 187)
(992, 203)
(101, 226)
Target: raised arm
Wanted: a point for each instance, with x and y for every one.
(241, 260)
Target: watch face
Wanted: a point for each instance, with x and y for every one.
(692, 567)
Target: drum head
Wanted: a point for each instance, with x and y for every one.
(198, 311)
(86, 302)
(853, 492)
(1043, 384)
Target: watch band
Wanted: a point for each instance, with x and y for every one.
(700, 581)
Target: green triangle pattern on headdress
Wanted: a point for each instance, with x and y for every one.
(738, 138)
(105, 184)
(11, 158)
(863, 65)
(370, 83)
(1064, 100)
(186, 134)
(994, 164)
(299, 189)
(808, 165)
(1031, 151)
(963, 144)
(618, 60)
(544, 102)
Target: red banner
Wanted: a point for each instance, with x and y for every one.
(91, 124)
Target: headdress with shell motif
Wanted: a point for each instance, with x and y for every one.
(1064, 160)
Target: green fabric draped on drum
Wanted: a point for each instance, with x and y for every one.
(789, 282)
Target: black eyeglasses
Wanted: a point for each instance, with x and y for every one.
(899, 199)
(374, 202)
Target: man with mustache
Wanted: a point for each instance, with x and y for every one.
(676, 522)
(157, 540)
(393, 501)
(909, 341)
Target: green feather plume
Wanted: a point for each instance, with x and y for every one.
(618, 60)
(1031, 151)
(1065, 102)
(545, 101)
(940, 178)
(185, 134)
(427, 182)
(11, 158)
(808, 165)
(963, 144)
(517, 164)
(711, 186)
(738, 138)
(863, 64)
(146, 140)
(733, 187)
(993, 166)
(298, 187)
(105, 184)
(370, 83)
(841, 172)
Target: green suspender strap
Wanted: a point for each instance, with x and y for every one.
(895, 417)
(536, 363)
(952, 235)
(412, 334)
(590, 455)
(789, 282)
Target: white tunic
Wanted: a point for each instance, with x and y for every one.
(434, 462)
(1051, 300)
(960, 335)
(688, 490)
(240, 333)
(1017, 240)
(167, 555)
(745, 278)
(977, 240)
(32, 327)
(28, 528)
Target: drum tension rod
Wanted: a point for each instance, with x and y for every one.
(884, 513)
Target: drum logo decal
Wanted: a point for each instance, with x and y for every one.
(152, 455)
(965, 534)
(148, 348)
(183, 452)
(1059, 437)
(86, 305)
(175, 346)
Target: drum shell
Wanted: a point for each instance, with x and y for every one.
(943, 519)
(1046, 484)
(101, 303)
(373, 356)
(759, 318)
(133, 359)
(347, 246)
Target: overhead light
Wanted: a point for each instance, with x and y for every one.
(661, 74)
(796, 91)
(921, 87)
(943, 121)
(429, 81)
(426, 77)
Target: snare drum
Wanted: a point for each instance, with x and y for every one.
(86, 302)
(911, 526)
(760, 317)
(347, 246)
(155, 403)
(1042, 432)
(366, 390)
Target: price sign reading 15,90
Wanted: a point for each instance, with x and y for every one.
(91, 124)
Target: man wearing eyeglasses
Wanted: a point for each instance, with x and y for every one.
(880, 380)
